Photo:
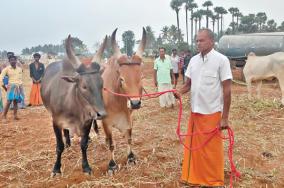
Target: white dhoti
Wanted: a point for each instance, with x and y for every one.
(167, 99)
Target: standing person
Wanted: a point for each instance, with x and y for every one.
(36, 74)
(164, 78)
(1, 100)
(180, 65)
(15, 75)
(209, 78)
(186, 61)
(175, 64)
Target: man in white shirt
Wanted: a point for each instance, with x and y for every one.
(175, 65)
(208, 76)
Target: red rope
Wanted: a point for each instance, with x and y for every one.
(212, 133)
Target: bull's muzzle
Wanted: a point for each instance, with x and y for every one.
(135, 104)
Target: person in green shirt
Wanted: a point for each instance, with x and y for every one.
(164, 78)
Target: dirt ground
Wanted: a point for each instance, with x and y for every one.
(27, 149)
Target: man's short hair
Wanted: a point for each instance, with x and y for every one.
(188, 51)
(162, 48)
(209, 32)
(36, 55)
(174, 49)
(12, 56)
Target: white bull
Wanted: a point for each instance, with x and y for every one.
(260, 68)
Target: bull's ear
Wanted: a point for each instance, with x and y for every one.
(72, 79)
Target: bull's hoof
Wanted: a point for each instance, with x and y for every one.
(87, 170)
(131, 159)
(112, 168)
(67, 145)
(54, 174)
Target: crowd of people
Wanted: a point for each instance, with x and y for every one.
(11, 79)
(167, 70)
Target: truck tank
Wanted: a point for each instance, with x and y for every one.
(237, 47)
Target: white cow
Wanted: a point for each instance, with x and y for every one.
(260, 68)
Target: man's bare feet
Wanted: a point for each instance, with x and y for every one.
(16, 118)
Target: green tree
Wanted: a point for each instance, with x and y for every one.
(281, 27)
(151, 40)
(260, 19)
(271, 26)
(233, 11)
(238, 16)
(207, 4)
(175, 5)
(165, 34)
(248, 24)
(78, 45)
(128, 42)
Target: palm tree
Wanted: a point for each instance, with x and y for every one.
(222, 12)
(281, 27)
(165, 33)
(217, 11)
(196, 17)
(187, 7)
(200, 14)
(207, 4)
(261, 19)
(271, 25)
(175, 5)
(233, 11)
(238, 15)
(192, 6)
(214, 18)
(173, 34)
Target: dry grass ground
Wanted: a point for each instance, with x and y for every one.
(27, 150)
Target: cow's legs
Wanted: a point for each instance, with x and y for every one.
(59, 148)
(248, 81)
(130, 155)
(112, 166)
(258, 88)
(84, 146)
(67, 138)
(281, 84)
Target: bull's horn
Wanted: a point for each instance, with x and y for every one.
(142, 44)
(70, 53)
(115, 48)
(98, 56)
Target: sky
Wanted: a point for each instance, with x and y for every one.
(27, 23)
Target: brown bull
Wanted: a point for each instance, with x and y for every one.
(122, 75)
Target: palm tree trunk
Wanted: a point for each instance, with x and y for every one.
(237, 23)
(218, 26)
(213, 26)
(178, 26)
(191, 28)
(186, 22)
(207, 18)
(199, 26)
(195, 26)
(233, 26)
(221, 25)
